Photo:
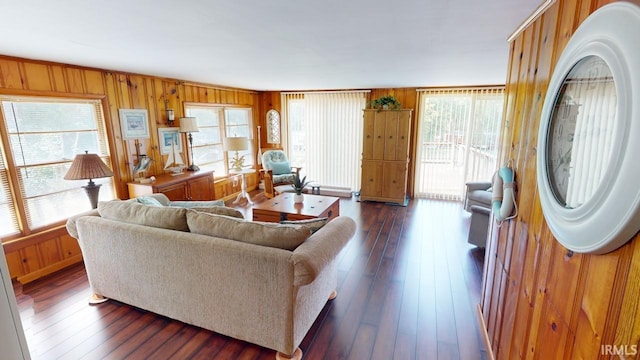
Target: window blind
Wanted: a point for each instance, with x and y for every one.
(458, 131)
(325, 136)
(44, 136)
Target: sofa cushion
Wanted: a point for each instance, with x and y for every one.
(196, 203)
(286, 237)
(313, 224)
(164, 217)
(220, 210)
(148, 200)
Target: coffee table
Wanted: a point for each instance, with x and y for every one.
(282, 207)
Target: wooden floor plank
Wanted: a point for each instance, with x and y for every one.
(408, 287)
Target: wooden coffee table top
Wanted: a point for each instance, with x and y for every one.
(313, 206)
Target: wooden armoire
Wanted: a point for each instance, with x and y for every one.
(385, 155)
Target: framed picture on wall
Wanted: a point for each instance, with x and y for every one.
(169, 139)
(135, 124)
(273, 127)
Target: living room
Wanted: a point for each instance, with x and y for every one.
(528, 276)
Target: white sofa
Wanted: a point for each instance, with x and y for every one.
(161, 259)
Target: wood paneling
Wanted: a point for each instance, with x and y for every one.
(42, 254)
(539, 300)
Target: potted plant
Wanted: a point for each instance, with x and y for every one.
(384, 102)
(298, 185)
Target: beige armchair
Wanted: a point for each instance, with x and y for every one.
(477, 201)
(276, 171)
(478, 193)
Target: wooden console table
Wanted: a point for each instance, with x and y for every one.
(187, 186)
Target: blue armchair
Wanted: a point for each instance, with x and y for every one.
(276, 171)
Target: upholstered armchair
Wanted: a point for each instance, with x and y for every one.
(276, 170)
(478, 193)
(477, 201)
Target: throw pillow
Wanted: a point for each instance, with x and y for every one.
(313, 224)
(286, 237)
(133, 213)
(196, 203)
(148, 200)
(220, 210)
(280, 168)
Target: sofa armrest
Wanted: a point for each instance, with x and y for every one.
(71, 222)
(478, 185)
(311, 257)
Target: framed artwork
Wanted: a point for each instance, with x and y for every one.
(273, 127)
(170, 141)
(135, 124)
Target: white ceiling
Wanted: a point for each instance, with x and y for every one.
(274, 45)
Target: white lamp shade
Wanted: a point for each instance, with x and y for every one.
(236, 143)
(188, 125)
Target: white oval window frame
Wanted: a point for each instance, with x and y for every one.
(611, 217)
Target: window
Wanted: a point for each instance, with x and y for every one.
(458, 133)
(44, 135)
(215, 123)
(325, 135)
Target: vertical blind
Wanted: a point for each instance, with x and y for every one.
(325, 135)
(458, 131)
(593, 134)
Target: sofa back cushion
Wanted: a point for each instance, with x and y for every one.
(286, 237)
(220, 210)
(131, 212)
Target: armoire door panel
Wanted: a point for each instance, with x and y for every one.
(390, 135)
(378, 136)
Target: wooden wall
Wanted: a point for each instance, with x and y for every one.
(39, 254)
(539, 300)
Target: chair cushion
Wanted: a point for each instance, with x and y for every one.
(481, 196)
(286, 237)
(283, 179)
(280, 168)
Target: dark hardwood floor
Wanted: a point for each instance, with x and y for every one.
(408, 288)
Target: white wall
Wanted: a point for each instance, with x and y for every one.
(12, 341)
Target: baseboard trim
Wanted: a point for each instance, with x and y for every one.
(35, 275)
(485, 334)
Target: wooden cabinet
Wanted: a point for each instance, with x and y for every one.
(187, 186)
(385, 155)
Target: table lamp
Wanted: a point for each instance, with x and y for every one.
(190, 125)
(236, 144)
(89, 166)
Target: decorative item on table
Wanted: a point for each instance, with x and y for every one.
(236, 144)
(384, 103)
(142, 165)
(170, 144)
(298, 185)
(190, 125)
(89, 166)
